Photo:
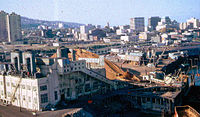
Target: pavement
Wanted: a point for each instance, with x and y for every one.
(12, 111)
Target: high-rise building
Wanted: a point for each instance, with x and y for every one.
(15, 27)
(86, 28)
(137, 24)
(3, 26)
(153, 22)
(10, 26)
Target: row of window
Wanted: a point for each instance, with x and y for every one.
(28, 87)
(75, 68)
(148, 99)
(78, 64)
(17, 97)
(75, 64)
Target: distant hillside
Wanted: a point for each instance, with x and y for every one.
(28, 23)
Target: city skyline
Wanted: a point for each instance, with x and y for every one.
(102, 11)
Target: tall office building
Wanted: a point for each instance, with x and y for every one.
(3, 26)
(153, 22)
(86, 28)
(137, 24)
(15, 27)
(10, 26)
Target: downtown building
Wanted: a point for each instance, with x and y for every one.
(137, 24)
(33, 82)
(191, 23)
(153, 22)
(166, 23)
(10, 26)
(84, 32)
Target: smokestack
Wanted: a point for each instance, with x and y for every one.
(62, 52)
(29, 61)
(16, 59)
(58, 52)
(73, 54)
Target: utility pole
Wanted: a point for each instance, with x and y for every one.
(191, 63)
(20, 109)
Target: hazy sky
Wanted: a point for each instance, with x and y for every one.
(117, 12)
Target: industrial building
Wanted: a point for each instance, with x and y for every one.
(33, 81)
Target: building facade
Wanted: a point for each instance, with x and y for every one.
(3, 26)
(137, 24)
(10, 26)
(35, 82)
(153, 22)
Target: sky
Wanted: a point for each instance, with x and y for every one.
(116, 12)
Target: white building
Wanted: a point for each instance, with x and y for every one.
(183, 26)
(35, 85)
(145, 36)
(86, 28)
(120, 31)
(60, 25)
(129, 38)
(193, 23)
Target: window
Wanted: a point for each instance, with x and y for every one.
(87, 87)
(35, 100)
(13, 84)
(162, 102)
(76, 81)
(87, 79)
(148, 99)
(95, 85)
(79, 90)
(8, 84)
(24, 97)
(8, 94)
(28, 87)
(153, 100)
(23, 86)
(34, 88)
(56, 95)
(43, 88)
(29, 99)
(68, 92)
(44, 98)
(143, 100)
